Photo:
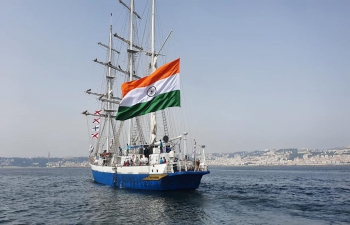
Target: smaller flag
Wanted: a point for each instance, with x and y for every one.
(98, 112)
(96, 128)
(94, 135)
(97, 121)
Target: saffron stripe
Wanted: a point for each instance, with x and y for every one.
(162, 72)
(162, 101)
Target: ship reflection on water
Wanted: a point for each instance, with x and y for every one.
(149, 206)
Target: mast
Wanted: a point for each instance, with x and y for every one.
(131, 59)
(109, 85)
(152, 38)
(153, 121)
(154, 57)
(107, 130)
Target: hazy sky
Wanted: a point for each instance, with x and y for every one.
(259, 74)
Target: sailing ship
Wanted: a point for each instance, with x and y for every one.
(122, 154)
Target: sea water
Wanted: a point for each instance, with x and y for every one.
(228, 195)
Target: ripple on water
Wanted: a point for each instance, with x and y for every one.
(229, 195)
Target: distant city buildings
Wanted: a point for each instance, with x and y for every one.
(44, 162)
(280, 157)
(267, 157)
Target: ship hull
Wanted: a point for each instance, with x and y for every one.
(186, 180)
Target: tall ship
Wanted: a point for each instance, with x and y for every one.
(136, 139)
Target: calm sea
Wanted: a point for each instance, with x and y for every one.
(229, 195)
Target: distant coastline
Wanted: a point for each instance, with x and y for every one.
(283, 157)
(267, 157)
(36, 167)
(87, 166)
(39, 162)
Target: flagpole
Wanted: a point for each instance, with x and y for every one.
(153, 122)
(131, 59)
(152, 40)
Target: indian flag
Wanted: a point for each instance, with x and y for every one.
(155, 92)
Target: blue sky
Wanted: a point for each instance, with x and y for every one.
(257, 74)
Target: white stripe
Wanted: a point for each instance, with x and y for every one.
(139, 95)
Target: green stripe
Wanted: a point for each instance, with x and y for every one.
(160, 102)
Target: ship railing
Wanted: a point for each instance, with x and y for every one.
(173, 167)
(169, 168)
(181, 166)
(203, 167)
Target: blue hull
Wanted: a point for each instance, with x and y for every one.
(174, 181)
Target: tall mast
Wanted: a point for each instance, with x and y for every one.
(152, 38)
(131, 59)
(153, 122)
(109, 85)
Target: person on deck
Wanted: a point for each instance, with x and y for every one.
(161, 145)
(164, 160)
(127, 149)
(103, 156)
(146, 152)
(161, 161)
(197, 165)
